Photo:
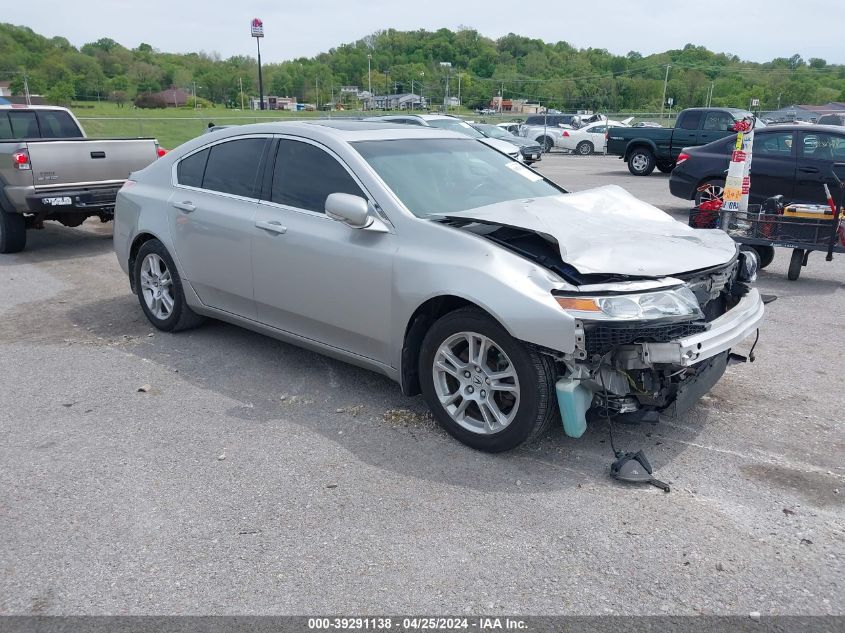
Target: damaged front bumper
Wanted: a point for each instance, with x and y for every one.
(655, 378)
(725, 332)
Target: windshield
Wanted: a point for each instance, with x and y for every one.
(456, 125)
(495, 132)
(443, 176)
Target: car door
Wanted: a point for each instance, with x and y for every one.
(772, 165)
(316, 277)
(817, 151)
(686, 132)
(214, 202)
(595, 134)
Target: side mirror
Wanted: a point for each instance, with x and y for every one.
(351, 210)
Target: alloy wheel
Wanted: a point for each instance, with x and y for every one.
(157, 286)
(476, 383)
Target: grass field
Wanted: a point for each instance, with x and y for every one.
(174, 126)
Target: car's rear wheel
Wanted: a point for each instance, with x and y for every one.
(547, 142)
(584, 148)
(487, 389)
(711, 189)
(12, 232)
(160, 290)
(641, 161)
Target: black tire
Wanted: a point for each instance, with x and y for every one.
(795, 264)
(547, 142)
(666, 168)
(535, 372)
(641, 161)
(715, 188)
(766, 254)
(181, 317)
(584, 148)
(12, 232)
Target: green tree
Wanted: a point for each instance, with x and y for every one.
(61, 94)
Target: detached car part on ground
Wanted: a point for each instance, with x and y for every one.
(441, 263)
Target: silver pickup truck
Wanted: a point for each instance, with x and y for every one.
(49, 170)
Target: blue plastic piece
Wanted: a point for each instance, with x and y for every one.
(573, 400)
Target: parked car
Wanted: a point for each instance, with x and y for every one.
(49, 170)
(832, 119)
(448, 122)
(531, 150)
(429, 257)
(547, 136)
(790, 160)
(511, 126)
(586, 140)
(644, 148)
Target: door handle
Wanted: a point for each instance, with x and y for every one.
(809, 170)
(187, 206)
(272, 226)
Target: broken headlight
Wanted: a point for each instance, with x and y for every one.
(661, 304)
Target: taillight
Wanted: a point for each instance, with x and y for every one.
(681, 158)
(20, 160)
(565, 133)
(161, 152)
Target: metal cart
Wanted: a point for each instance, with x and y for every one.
(763, 232)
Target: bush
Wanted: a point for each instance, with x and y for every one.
(149, 101)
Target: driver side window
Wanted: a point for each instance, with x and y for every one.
(305, 175)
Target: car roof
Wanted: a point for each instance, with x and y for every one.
(23, 106)
(340, 129)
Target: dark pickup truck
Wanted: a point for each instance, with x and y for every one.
(645, 148)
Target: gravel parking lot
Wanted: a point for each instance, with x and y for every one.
(254, 477)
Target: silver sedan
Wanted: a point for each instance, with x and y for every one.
(443, 264)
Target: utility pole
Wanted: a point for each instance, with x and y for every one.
(448, 67)
(317, 92)
(26, 89)
(194, 93)
(460, 76)
(422, 89)
(370, 75)
(241, 90)
(665, 82)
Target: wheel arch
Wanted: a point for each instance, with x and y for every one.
(415, 330)
(638, 143)
(140, 239)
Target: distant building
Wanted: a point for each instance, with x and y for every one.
(272, 102)
(173, 97)
(804, 112)
(404, 101)
(5, 89)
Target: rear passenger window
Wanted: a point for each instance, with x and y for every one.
(191, 169)
(5, 127)
(57, 124)
(24, 125)
(305, 175)
(232, 167)
(690, 120)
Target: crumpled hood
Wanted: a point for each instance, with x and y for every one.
(607, 230)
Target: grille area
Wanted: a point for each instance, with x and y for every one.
(603, 338)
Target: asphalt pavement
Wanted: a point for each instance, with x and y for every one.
(252, 477)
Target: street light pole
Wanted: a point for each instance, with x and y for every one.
(665, 82)
(370, 75)
(448, 67)
(460, 76)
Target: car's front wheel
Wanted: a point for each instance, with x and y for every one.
(487, 389)
(160, 290)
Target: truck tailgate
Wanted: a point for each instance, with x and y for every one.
(88, 161)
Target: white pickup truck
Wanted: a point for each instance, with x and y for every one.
(49, 170)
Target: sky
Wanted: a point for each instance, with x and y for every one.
(775, 28)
